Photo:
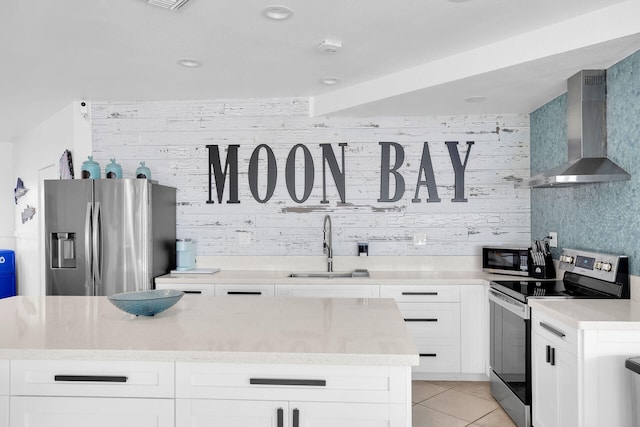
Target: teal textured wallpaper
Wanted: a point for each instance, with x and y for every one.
(603, 217)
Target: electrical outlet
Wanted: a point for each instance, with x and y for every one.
(244, 239)
(553, 239)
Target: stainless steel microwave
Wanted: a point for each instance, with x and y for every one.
(506, 260)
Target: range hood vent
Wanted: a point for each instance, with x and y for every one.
(168, 4)
(587, 136)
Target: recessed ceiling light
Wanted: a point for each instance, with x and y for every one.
(277, 12)
(329, 81)
(476, 99)
(189, 62)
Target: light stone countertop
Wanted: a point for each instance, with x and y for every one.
(213, 329)
(375, 277)
(595, 314)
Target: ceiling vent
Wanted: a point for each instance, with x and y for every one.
(168, 4)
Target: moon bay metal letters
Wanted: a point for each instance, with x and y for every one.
(426, 177)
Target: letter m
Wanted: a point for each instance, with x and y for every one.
(220, 176)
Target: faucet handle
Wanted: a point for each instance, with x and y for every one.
(325, 248)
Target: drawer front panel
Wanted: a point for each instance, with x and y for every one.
(432, 320)
(421, 293)
(437, 358)
(328, 291)
(242, 289)
(555, 331)
(189, 288)
(86, 378)
(279, 382)
(94, 412)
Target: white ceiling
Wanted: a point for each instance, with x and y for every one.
(399, 57)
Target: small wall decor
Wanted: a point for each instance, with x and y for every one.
(28, 213)
(20, 190)
(66, 165)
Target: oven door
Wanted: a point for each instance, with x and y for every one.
(510, 351)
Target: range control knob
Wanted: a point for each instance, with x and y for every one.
(598, 265)
(566, 258)
(606, 266)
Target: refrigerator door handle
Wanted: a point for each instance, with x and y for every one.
(97, 246)
(88, 259)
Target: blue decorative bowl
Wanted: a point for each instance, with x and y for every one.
(146, 303)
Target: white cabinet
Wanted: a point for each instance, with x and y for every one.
(189, 287)
(264, 290)
(474, 330)
(328, 290)
(218, 289)
(554, 369)
(36, 411)
(292, 396)
(81, 393)
(231, 413)
(257, 413)
(4, 393)
(432, 315)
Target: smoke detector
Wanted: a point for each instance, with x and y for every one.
(330, 46)
(168, 4)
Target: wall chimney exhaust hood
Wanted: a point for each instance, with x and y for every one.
(587, 136)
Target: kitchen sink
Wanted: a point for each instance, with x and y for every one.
(331, 274)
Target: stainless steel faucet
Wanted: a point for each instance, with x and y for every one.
(327, 245)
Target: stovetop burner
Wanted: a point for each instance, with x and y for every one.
(586, 275)
(522, 289)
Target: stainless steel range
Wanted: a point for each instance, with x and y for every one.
(586, 275)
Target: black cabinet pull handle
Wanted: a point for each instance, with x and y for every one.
(244, 293)
(192, 292)
(553, 357)
(280, 415)
(548, 354)
(92, 378)
(420, 293)
(287, 381)
(421, 320)
(296, 418)
(553, 330)
(428, 355)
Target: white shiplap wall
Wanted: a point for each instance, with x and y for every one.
(171, 137)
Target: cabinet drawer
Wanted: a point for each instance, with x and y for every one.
(421, 293)
(560, 334)
(328, 291)
(437, 358)
(243, 289)
(432, 320)
(90, 411)
(87, 378)
(4, 377)
(280, 382)
(189, 288)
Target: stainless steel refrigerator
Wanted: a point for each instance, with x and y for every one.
(107, 236)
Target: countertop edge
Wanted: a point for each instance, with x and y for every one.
(213, 357)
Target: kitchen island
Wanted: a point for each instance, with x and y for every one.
(234, 361)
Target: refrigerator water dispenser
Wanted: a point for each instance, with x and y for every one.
(63, 250)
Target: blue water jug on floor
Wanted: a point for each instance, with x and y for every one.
(7, 273)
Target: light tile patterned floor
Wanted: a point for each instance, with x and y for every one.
(456, 404)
